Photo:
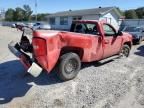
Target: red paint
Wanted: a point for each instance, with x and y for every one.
(24, 62)
(93, 47)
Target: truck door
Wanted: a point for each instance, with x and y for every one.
(112, 43)
(90, 30)
(96, 51)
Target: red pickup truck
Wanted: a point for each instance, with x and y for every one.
(87, 41)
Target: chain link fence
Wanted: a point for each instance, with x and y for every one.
(131, 22)
(7, 23)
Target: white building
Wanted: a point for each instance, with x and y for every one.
(63, 20)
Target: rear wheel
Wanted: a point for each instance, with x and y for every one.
(69, 66)
(125, 51)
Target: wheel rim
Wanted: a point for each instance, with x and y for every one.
(71, 66)
(125, 52)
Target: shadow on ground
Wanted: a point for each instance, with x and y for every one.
(140, 51)
(14, 81)
(96, 63)
(100, 63)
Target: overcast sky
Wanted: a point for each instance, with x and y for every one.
(51, 6)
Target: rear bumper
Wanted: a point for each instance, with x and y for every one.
(24, 58)
(33, 68)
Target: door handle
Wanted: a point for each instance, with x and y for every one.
(106, 41)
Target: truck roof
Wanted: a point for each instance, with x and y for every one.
(90, 21)
(86, 21)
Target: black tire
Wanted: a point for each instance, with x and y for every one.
(125, 51)
(69, 66)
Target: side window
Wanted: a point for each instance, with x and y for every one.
(92, 29)
(108, 30)
(52, 21)
(86, 28)
(72, 29)
(79, 28)
(63, 20)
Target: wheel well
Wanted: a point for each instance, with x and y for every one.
(78, 51)
(128, 43)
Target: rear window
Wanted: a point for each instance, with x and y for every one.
(85, 28)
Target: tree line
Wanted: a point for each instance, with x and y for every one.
(26, 14)
(23, 14)
(134, 13)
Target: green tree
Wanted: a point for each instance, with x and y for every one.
(27, 12)
(40, 17)
(9, 15)
(19, 14)
(130, 14)
(140, 12)
(120, 11)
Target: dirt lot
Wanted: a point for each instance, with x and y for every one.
(111, 83)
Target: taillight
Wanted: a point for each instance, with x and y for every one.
(39, 47)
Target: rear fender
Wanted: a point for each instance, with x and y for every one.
(77, 50)
(54, 46)
(52, 59)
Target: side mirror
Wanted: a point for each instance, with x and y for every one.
(119, 33)
(143, 31)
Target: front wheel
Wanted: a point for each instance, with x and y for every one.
(125, 51)
(69, 66)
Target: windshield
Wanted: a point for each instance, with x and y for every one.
(132, 29)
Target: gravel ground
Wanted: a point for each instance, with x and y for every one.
(111, 83)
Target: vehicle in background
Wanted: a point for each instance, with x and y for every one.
(87, 41)
(41, 26)
(18, 23)
(137, 33)
(30, 25)
(13, 26)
